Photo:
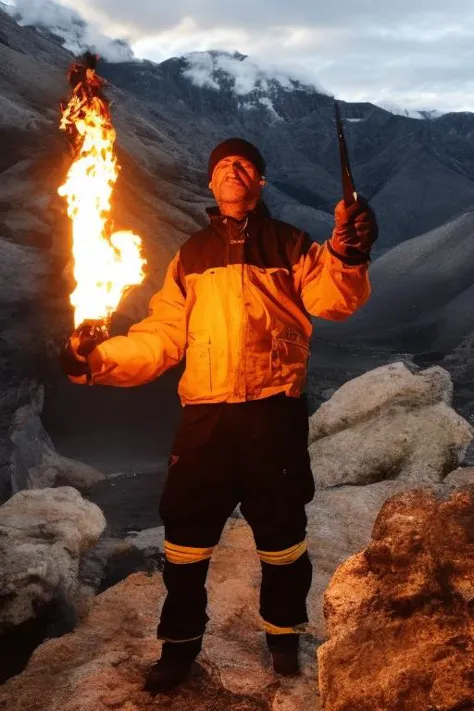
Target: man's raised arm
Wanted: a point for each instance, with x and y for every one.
(333, 278)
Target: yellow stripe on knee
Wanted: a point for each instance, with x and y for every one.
(274, 629)
(289, 555)
(180, 641)
(181, 555)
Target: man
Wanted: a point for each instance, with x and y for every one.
(237, 301)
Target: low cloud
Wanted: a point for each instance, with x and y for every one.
(413, 53)
(66, 23)
(246, 74)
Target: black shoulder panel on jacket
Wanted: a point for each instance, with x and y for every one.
(267, 244)
(204, 250)
(276, 244)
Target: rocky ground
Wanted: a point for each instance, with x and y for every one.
(102, 665)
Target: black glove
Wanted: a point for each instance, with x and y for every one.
(73, 355)
(70, 361)
(355, 232)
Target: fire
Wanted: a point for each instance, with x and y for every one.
(105, 262)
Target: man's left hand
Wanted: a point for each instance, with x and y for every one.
(355, 232)
(71, 360)
(73, 357)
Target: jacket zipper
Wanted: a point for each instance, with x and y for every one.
(243, 335)
(241, 370)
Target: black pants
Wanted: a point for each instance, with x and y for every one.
(253, 453)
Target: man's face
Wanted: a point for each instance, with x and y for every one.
(235, 179)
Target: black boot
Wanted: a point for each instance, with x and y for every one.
(284, 650)
(173, 666)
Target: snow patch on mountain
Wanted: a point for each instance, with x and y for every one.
(215, 69)
(64, 22)
(268, 104)
(264, 101)
(410, 113)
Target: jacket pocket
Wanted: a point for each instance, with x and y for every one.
(197, 378)
(289, 346)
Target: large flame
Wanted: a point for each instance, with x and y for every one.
(105, 263)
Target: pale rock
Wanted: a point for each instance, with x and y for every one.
(389, 423)
(55, 469)
(42, 536)
(149, 541)
(363, 397)
(463, 476)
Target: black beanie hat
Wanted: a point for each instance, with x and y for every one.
(236, 147)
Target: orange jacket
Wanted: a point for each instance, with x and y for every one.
(237, 303)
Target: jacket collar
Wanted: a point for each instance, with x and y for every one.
(260, 212)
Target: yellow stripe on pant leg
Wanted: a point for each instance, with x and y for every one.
(181, 555)
(285, 557)
(180, 641)
(274, 629)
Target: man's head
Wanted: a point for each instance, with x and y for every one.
(236, 173)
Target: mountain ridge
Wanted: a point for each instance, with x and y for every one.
(417, 173)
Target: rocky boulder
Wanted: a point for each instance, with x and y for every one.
(389, 423)
(399, 614)
(42, 536)
(340, 523)
(380, 434)
(464, 476)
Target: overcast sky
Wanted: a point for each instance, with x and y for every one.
(418, 54)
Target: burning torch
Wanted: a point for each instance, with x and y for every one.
(105, 262)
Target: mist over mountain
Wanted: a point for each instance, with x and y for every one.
(410, 113)
(74, 33)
